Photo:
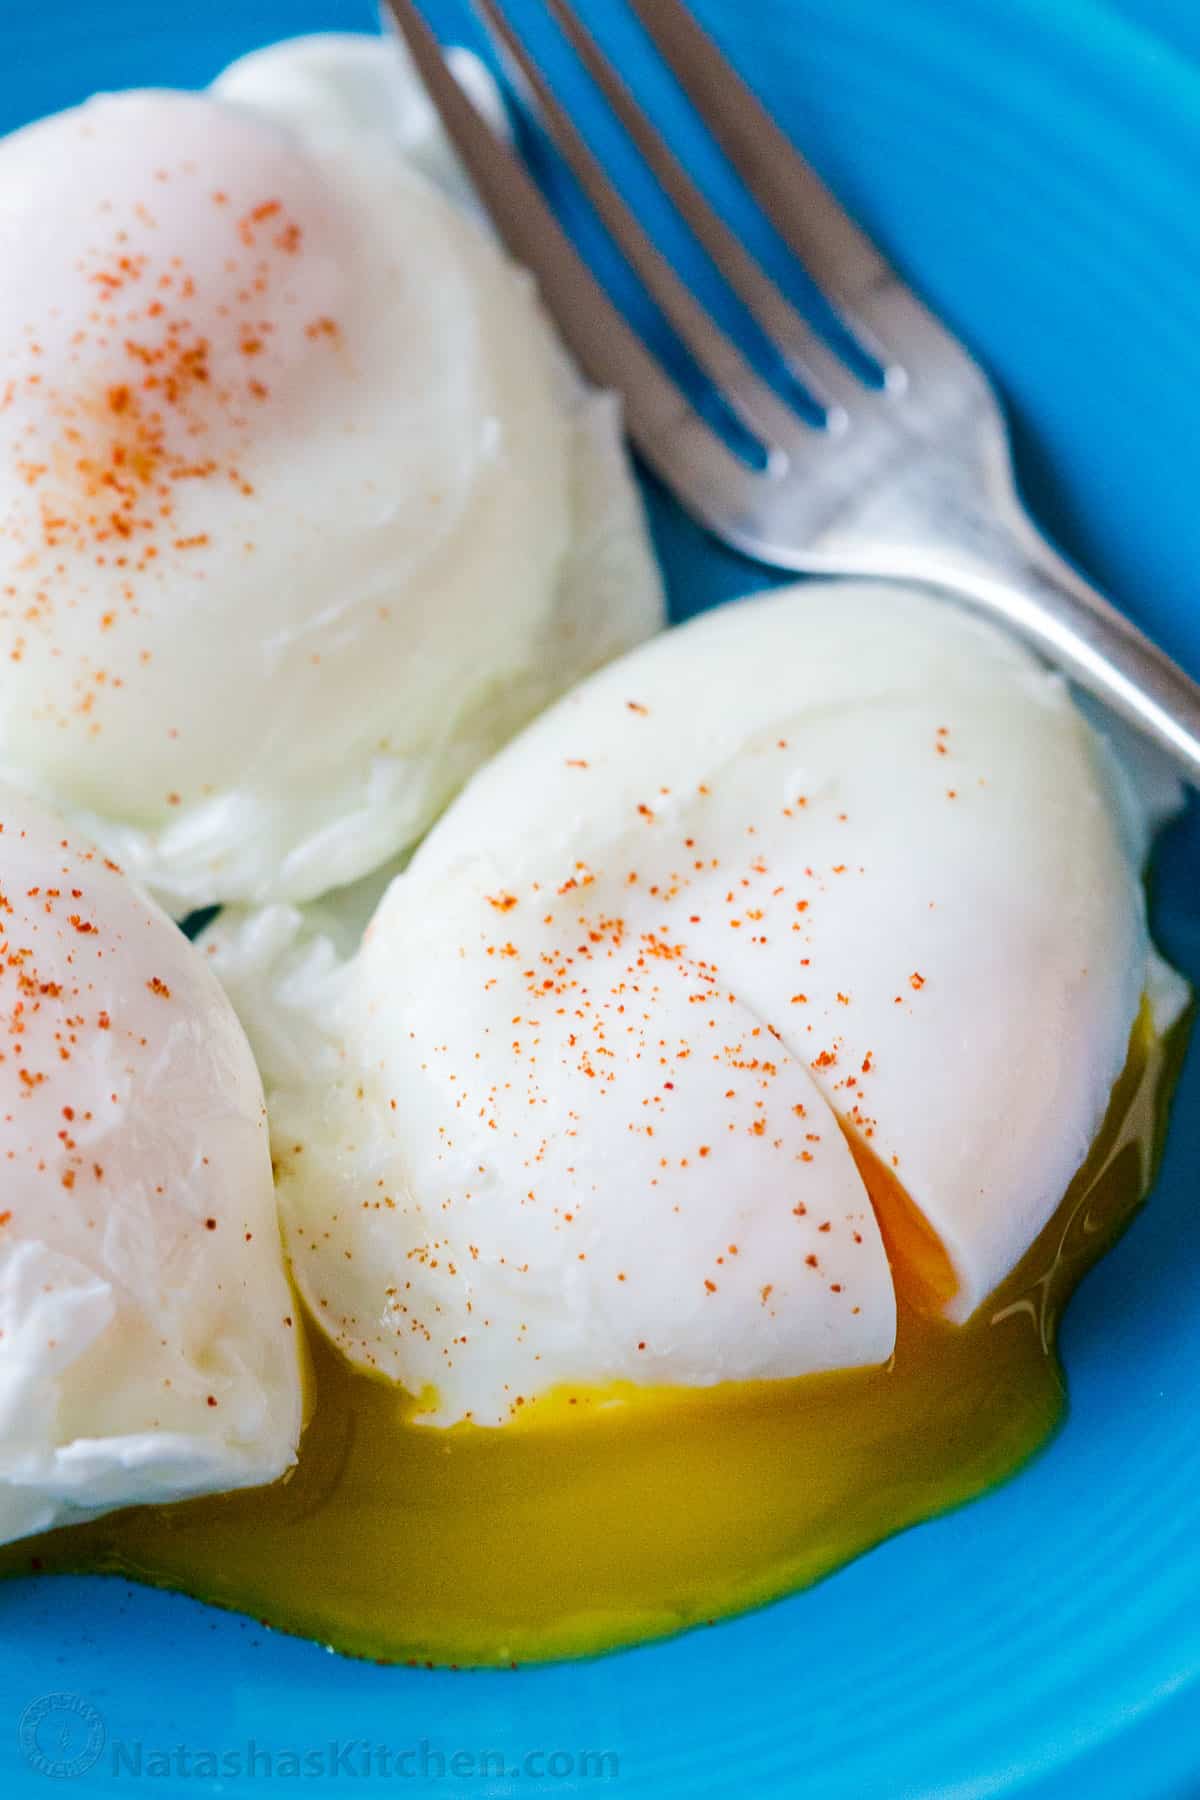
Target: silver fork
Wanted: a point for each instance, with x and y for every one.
(908, 481)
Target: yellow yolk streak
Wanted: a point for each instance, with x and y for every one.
(598, 1519)
(920, 1266)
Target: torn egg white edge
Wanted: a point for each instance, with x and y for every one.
(143, 1469)
(1168, 992)
(46, 1485)
(285, 969)
(611, 590)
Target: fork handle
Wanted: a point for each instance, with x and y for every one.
(1016, 575)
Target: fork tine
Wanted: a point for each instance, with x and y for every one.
(806, 354)
(670, 434)
(840, 257)
(768, 417)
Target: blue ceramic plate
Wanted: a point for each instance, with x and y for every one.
(1032, 165)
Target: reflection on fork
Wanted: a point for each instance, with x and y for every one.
(906, 477)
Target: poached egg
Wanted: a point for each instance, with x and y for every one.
(150, 1344)
(302, 511)
(792, 957)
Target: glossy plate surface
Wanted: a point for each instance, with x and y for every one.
(1031, 165)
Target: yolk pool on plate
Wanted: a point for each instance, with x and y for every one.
(598, 1519)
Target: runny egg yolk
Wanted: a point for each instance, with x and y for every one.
(601, 1518)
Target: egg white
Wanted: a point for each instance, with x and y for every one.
(854, 838)
(150, 1344)
(302, 511)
